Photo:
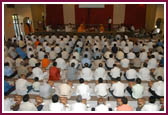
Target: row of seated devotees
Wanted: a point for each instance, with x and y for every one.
(30, 72)
(61, 103)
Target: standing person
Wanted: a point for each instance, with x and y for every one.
(109, 23)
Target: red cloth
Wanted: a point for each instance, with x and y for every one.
(54, 74)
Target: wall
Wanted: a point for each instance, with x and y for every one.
(54, 14)
(150, 16)
(69, 13)
(37, 11)
(135, 14)
(119, 13)
(93, 15)
(8, 23)
(146, 16)
(22, 11)
(153, 12)
(160, 14)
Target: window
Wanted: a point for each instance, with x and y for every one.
(16, 24)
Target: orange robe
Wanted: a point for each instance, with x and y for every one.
(54, 74)
(36, 43)
(45, 62)
(101, 29)
(81, 28)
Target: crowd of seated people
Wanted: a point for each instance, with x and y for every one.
(57, 68)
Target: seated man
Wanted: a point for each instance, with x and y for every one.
(71, 72)
(144, 73)
(101, 89)
(17, 100)
(8, 72)
(75, 61)
(21, 53)
(151, 106)
(65, 55)
(136, 91)
(131, 75)
(115, 73)
(100, 73)
(22, 69)
(40, 105)
(83, 89)
(64, 101)
(97, 62)
(152, 63)
(8, 88)
(37, 72)
(107, 54)
(122, 105)
(97, 53)
(61, 63)
(52, 54)
(32, 61)
(119, 55)
(159, 71)
(114, 49)
(45, 62)
(157, 88)
(54, 72)
(136, 62)
(7, 104)
(86, 60)
(36, 85)
(141, 103)
(26, 105)
(86, 73)
(56, 105)
(65, 89)
(110, 62)
(125, 62)
(101, 106)
(23, 86)
(46, 89)
(78, 105)
(117, 89)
